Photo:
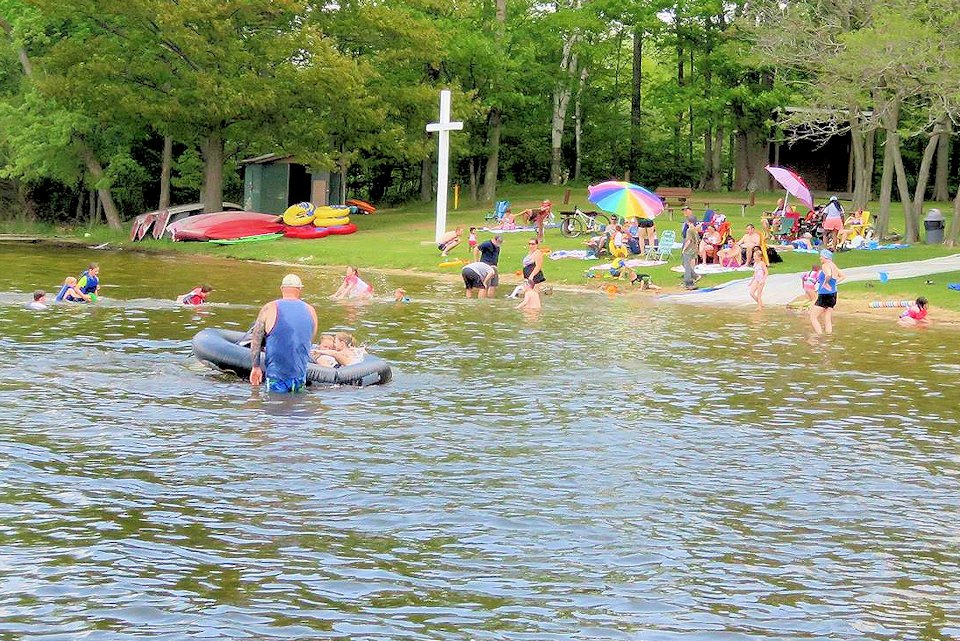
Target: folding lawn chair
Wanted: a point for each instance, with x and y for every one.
(499, 209)
(664, 246)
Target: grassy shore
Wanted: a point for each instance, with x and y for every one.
(402, 238)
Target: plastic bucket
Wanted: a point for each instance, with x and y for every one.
(884, 277)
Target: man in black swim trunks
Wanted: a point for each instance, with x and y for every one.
(489, 252)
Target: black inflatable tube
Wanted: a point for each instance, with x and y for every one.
(218, 348)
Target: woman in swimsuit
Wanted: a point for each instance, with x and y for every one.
(533, 263)
(827, 281)
(759, 277)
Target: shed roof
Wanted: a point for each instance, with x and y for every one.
(267, 158)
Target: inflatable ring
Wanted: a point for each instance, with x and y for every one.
(361, 205)
(331, 211)
(341, 230)
(299, 214)
(330, 222)
(220, 349)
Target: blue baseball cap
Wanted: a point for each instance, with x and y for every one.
(826, 253)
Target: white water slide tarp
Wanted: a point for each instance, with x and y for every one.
(784, 288)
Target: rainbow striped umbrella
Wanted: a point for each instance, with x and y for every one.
(625, 199)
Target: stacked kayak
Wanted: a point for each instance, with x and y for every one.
(230, 227)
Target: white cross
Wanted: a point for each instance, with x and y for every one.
(445, 126)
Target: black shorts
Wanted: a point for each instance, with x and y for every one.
(471, 279)
(440, 246)
(539, 278)
(826, 301)
(644, 222)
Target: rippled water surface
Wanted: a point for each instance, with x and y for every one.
(611, 469)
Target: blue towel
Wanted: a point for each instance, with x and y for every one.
(954, 286)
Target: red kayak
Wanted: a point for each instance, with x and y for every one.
(233, 229)
(195, 227)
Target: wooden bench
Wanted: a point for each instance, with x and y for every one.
(674, 196)
(743, 205)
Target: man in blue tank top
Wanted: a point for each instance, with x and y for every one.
(287, 327)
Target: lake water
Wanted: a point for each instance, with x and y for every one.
(611, 469)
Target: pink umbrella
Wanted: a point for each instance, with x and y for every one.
(793, 184)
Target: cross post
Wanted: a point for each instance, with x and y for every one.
(444, 127)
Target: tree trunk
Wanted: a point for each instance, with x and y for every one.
(858, 140)
(941, 192)
(954, 235)
(636, 113)
(909, 232)
(561, 100)
(578, 126)
(886, 191)
(426, 180)
(211, 150)
(96, 172)
(712, 158)
(923, 176)
(474, 179)
(494, 126)
(501, 12)
(165, 167)
(751, 158)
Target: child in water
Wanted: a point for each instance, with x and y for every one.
(531, 298)
(196, 296)
(400, 295)
(70, 292)
(344, 351)
(320, 353)
(352, 286)
(915, 315)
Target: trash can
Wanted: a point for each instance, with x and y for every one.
(933, 225)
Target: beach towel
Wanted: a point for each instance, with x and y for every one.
(635, 262)
(516, 230)
(891, 246)
(954, 286)
(713, 269)
(578, 254)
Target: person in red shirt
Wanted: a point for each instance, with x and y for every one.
(196, 296)
(915, 315)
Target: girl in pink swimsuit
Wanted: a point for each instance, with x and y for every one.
(759, 277)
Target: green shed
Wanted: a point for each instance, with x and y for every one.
(271, 183)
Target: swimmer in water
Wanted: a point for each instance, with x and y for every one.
(196, 296)
(39, 301)
(531, 298)
(70, 292)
